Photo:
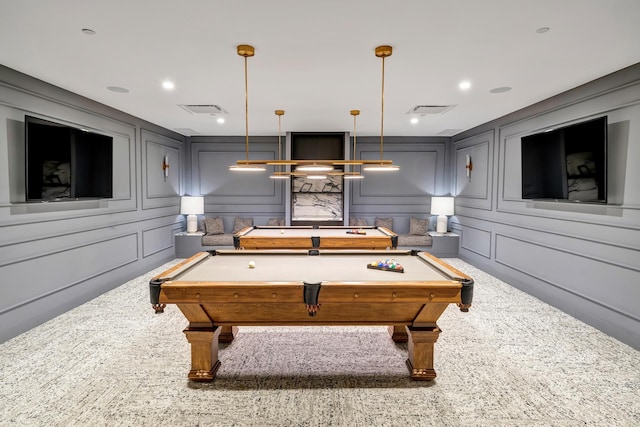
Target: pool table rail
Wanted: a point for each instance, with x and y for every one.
(314, 237)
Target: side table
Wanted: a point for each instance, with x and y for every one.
(188, 244)
(445, 245)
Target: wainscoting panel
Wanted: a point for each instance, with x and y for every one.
(221, 186)
(159, 190)
(475, 240)
(421, 175)
(605, 283)
(169, 184)
(157, 239)
(417, 175)
(471, 171)
(473, 188)
(39, 277)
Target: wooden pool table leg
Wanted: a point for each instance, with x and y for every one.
(420, 346)
(204, 353)
(228, 333)
(398, 333)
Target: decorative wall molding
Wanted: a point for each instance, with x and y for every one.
(475, 190)
(421, 175)
(123, 250)
(587, 277)
(225, 190)
(475, 239)
(157, 239)
(158, 189)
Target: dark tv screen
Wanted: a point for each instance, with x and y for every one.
(317, 146)
(66, 163)
(567, 164)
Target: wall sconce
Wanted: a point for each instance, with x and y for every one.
(442, 206)
(469, 167)
(165, 167)
(191, 206)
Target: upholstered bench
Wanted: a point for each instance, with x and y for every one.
(215, 236)
(417, 238)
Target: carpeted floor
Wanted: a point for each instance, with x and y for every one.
(510, 361)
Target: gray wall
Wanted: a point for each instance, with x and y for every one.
(400, 195)
(407, 193)
(583, 259)
(55, 256)
(227, 193)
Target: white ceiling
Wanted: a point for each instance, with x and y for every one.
(316, 60)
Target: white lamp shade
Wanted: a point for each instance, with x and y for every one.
(192, 205)
(442, 206)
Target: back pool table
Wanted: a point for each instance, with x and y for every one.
(315, 237)
(218, 291)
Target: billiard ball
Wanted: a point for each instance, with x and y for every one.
(252, 264)
(281, 231)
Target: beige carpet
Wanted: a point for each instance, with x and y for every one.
(510, 361)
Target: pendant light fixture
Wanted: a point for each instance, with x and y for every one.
(279, 174)
(353, 174)
(310, 168)
(246, 51)
(382, 52)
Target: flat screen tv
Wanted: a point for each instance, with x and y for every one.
(66, 163)
(567, 163)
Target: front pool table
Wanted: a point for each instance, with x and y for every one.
(218, 291)
(314, 237)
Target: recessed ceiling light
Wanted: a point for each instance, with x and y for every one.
(118, 89)
(168, 85)
(88, 31)
(414, 120)
(464, 85)
(501, 89)
(542, 30)
(220, 120)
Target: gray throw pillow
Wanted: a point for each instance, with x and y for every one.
(278, 222)
(359, 222)
(213, 225)
(418, 227)
(242, 223)
(384, 222)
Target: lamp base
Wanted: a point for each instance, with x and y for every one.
(441, 225)
(192, 223)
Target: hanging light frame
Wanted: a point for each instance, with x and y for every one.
(353, 174)
(247, 51)
(381, 166)
(279, 173)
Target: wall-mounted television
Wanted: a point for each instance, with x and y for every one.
(66, 163)
(567, 163)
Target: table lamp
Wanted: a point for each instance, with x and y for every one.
(442, 206)
(191, 206)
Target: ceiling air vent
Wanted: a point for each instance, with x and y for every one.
(203, 109)
(430, 109)
(186, 131)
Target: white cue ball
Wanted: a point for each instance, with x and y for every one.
(281, 231)
(252, 264)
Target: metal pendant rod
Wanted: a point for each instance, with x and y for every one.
(382, 52)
